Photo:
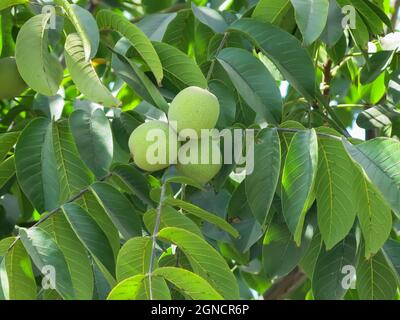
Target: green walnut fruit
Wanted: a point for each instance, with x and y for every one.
(204, 167)
(11, 83)
(154, 146)
(194, 108)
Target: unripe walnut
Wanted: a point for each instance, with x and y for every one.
(153, 146)
(194, 108)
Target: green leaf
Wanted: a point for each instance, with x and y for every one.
(73, 174)
(280, 254)
(329, 273)
(178, 67)
(170, 218)
(284, 50)
(135, 180)
(106, 19)
(205, 261)
(271, 10)
(210, 17)
(93, 137)
(75, 255)
(267, 162)
(298, 180)
(334, 188)
(120, 210)
(84, 75)
(376, 117)
(91, 205)
(375, 279)
(9, 3)
(380, 160)
(21, 281)
(36, 165)
(7, 141)
(134, 258)
(253, 82)
(90, 234)
(309, 259)
(391, 250)
(377, 64)
(44, 251)
(333, 29)
(311, 17)
(202, 214)
(189, 283)
(155, 25)
(85, 25)
(39, 68)
(370, 17)
(374, 215)
(7, 170)
(137, 287)
(128, 71)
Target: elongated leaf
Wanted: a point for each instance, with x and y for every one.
(155, 25)
(309, 259)
(271, 10)
(206, 262)
(7, 141)
(90, 234)
(333, 28)
(134, 258)
(375, 279)
(137, 288)
(298, 180)
(44, 251)
(170, 218)
(107, 19)
(210, 17)
(93, 137)
(202, 214)
(74, 175)
(21, 281)
(328, 281)
(284, 50)
(75, 255)
(39, 68)
(377, 64)
(92, 206)
(280, 254)
(267, 162)
(120, 210)
(135, 180)
(311, 17)
(36, 165)
(370, 17)
(178, 67)
(7, 170)
(84, 74)
(254, 82)
(8, 3)
(374, 215)
(135, 77)
(380, 159)
(188, 283)
(85, 25)
(334, 191)
(391, 250)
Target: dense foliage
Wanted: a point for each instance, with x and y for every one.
(317, 218)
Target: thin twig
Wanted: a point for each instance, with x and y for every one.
(154, 237)
(285, 286)
(55, 210)
(212, 66)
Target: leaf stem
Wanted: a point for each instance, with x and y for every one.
(154, 238)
